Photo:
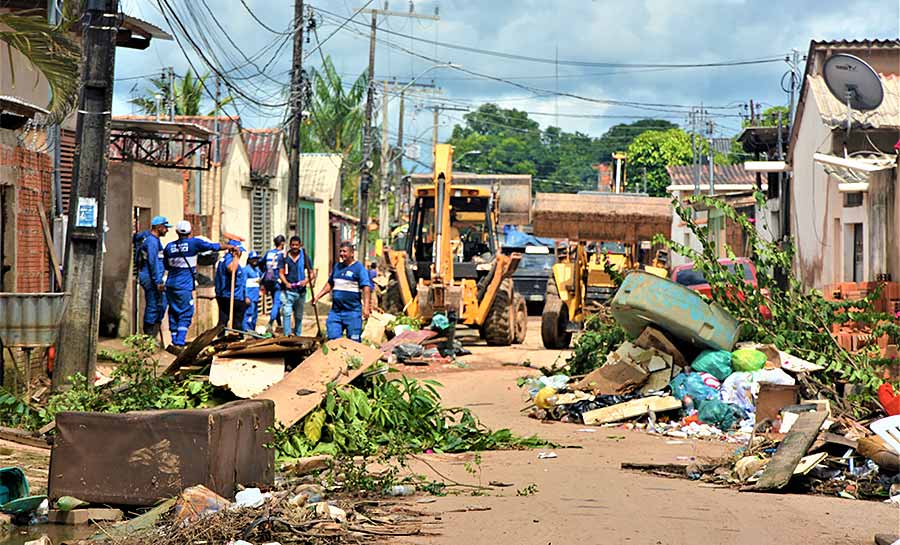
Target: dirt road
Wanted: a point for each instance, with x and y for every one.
(583, 497)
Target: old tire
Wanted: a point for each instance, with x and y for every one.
(553, 320)
(520, 324)
(498, 326)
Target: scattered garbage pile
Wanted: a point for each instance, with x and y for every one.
(684, 376)
(405, 340)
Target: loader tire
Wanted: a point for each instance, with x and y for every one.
(498, 327)
(553, 320)
(520, 326)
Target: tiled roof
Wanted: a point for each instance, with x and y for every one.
(834, 112)
(263, 147)
(722, 174)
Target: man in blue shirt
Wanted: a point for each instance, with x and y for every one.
(228, 265)
(150, 275)
(251, 290)
(181, 263)
(351, 292)
(296, 272)
(271, 281)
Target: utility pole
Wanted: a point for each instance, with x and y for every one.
(710, 127)
(434, 131)
(365, 179)
(795, 67)
(217, 151)
(384, 230)
(296, 101)
(398, 162)
(84, 240)
(171, 93)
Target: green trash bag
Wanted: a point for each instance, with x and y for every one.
(748, 359)
(715, 362)
(719, 414)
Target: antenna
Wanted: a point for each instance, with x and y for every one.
(852, 81)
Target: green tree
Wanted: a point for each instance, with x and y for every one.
(335, 123)
(188, 91)
(656, 150)
(50, 49)
(620, 136)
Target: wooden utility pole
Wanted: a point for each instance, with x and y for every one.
(401, 196)
(84, 239)
(384, 229)
(365, 179)
(296, 100)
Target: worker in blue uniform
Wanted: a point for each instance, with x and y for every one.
(181, 264)
(271, 281)
(230, 267)
(296, 272)
(351, 291)
(150, 275)
(251, 291)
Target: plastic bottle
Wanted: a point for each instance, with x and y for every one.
(402, 490)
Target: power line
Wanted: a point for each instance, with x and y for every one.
(513, 56)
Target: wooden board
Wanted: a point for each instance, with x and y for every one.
(631, 409)
(84, 516)
(23, 437)
(303, 389)
(246, 377)
(413, 337)
(620, 377)
(654, 338)
(274, 345)
(789, 453)
(192, 350)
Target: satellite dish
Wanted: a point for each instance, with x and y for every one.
(852, 81)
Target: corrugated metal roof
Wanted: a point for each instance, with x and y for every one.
(834, 112)
(263, 147)
(722, 174)
(319, 175)
(857, 44)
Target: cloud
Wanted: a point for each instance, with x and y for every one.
(614, 31)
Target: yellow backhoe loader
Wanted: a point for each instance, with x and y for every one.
(604, 231)
(452, 262)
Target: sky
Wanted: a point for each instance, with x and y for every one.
(603, 48)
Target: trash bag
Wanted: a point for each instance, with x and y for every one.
(774, 376)
(748, 359)
(575, 410)
(440, 322)
(692, 384)
(715, 362)
(740, 389)
(407, 351)
(719, 414)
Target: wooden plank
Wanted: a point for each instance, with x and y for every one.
(274, 345)
(48, 239)
(789, 453)
(84, 516)
(192, 350)
(631, 409)
(413, 337)
(303, 389)
(22, 437)
(246, 377)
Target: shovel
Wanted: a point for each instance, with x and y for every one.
(318, 325)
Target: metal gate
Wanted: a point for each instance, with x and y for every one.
(261, 202)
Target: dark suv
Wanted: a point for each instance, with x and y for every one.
(530, 278)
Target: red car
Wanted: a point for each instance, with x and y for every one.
(691, 278)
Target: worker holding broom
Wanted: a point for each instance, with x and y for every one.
(230, 283)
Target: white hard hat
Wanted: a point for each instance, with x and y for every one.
(183, 227)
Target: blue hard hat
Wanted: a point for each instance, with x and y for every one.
(253, 255)
(237, 244)
(160, 220)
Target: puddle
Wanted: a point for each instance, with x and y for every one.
(58, 533)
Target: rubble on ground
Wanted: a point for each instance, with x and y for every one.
(748, 394)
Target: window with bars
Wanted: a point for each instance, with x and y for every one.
(306, 226)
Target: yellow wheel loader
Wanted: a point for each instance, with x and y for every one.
(452, 262)
(581, 282)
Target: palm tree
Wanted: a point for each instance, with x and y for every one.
(336, 120)
(50, 49)
(188, 95)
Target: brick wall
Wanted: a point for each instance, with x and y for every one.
(32, 179)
